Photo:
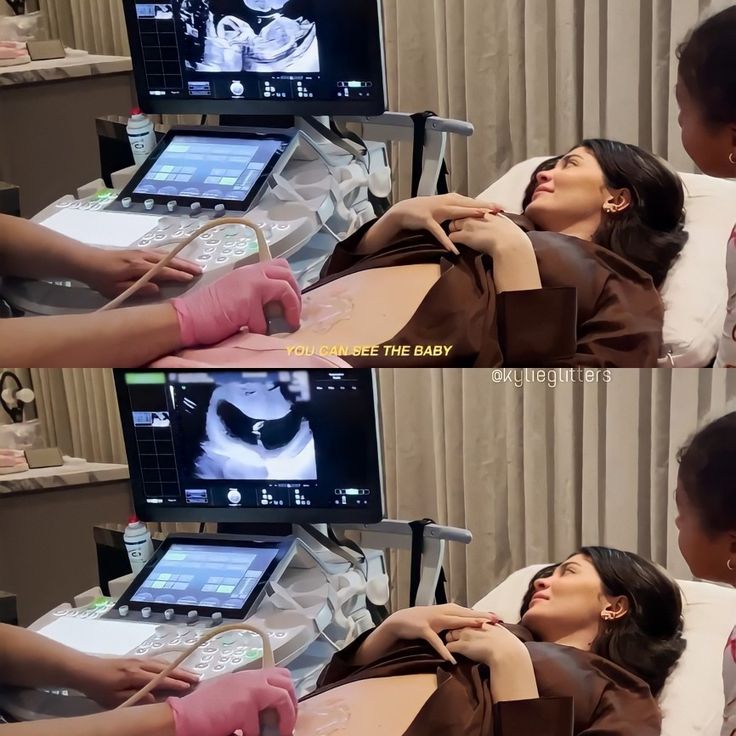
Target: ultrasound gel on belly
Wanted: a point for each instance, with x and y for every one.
(323, 316)
(330, 719)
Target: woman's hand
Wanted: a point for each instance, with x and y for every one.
(112, 681)
(426, 622)
(425, 213)
(488, 234)
(488, 644)
(111, 272)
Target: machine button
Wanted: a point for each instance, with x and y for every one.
(195, 208)
(201, 666)
(237, 660)
(253, 653)
(210, 649)
(219, 667)
(169, 614)
(159, 236)
(148, 204)
(216, 618)
(219, 210)
(192, 616)
(126, 202)
(172, 205)
(222, 259)
(146, 612)
(210, 249)
(204, 257)
(157, 644)
(141, 650)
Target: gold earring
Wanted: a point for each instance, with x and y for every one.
(732, 159)
(729, 565)
(607, 615)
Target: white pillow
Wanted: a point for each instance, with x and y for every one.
(695, 293)
(692, 700)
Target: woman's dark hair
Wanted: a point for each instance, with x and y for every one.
(708, 67)
(647, 641)
(707, 471)
(650, 233)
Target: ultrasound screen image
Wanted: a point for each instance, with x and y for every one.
(250, 36)
(249, 428)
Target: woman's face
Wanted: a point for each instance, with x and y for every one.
(571, 599)
(707, 145)
(706, 554)
(572, 193)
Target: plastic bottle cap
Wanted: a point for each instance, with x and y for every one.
(136, 111)
(133, 520)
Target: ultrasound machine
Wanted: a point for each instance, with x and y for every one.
(285, 462)
(284, 77)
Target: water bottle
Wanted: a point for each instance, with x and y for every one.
(138, 542)
(141, 135)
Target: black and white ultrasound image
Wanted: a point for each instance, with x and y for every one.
(250, 36)
(250, 428)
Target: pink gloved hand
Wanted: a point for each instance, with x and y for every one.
(215, 312)
(226, 704)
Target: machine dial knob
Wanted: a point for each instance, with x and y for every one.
(195, 207)
(192, 617)
(216, 618)
(123, 611)
(169, 614)
(148, 204)
(172, 205)
(127, 202)
(146, 612)
(220, 210)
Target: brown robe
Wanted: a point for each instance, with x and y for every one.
(595, 309)
(581, 694)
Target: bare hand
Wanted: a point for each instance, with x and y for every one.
(112, 681)
(486, 234)
(428, 213)
(485, 644)
(111, 272)
(426, 622)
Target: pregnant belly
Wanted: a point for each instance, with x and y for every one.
(385, 705)
(364, 308)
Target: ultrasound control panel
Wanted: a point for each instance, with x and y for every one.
(153, 637)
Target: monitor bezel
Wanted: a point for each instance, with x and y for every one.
(239, 107)
(281, 546)
(154, 512)
(243, 205)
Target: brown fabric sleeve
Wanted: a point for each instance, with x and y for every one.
(548, 716)
(624, 712)
(346, 252)
(626, 329)
(537, 327)
(341, 665)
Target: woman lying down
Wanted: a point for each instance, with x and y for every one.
(451, 281)
(599, 635)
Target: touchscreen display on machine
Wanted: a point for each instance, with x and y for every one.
(259, 446)
(205, 576)
(210, 166)
(225, 169)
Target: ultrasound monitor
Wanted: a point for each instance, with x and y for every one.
(252, 446)
(258, 57)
